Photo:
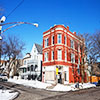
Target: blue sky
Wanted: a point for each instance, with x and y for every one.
(80, 15)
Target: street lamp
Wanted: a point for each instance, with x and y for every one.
(15, 24)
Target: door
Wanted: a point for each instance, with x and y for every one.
(59, 77)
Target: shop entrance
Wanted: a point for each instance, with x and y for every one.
(60, 77)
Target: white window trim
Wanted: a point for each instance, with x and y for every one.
(58, 39)
(72, 58)
(46, 56)
(46, 42)
(71, 44)
(65, 40)
(59, 54)
(78, 48)
(65, 56)
(79, 60)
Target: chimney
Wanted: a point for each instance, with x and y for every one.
(74, 33)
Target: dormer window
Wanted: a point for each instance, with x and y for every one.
(34, 50)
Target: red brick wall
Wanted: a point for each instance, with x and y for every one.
(62, 46)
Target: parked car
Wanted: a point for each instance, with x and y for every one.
(3, 77)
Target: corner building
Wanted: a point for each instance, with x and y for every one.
(61, 56)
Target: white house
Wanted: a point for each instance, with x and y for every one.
(32, 64)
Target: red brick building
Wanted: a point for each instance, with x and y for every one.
(61, 56)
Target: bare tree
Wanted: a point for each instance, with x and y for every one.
(91, 50)
(95, 52)
(85, 48)
(12, 50)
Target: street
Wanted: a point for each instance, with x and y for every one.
(29, 93)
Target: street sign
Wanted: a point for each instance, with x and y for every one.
(56, 71)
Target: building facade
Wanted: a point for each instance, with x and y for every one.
(32, 64)
(61, 56)
(3, 66)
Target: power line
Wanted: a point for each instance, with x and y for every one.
(15, 8)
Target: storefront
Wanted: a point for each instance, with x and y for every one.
(55, 74)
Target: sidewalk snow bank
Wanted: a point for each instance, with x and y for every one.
(7, 95)
(32, 83)
(58, 87)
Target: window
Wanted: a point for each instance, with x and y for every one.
(46, 56)
(34, 50)
(46, 42)
(76, 45)
(28, 68)
(72, 44)
(78, 69)
(24, 70)
(25, 62)
(65, 40)
(79, 61)
(78, 48)
(66, 76)
(31, 67)
(53, 39)
(52, 55)
(36, 66)
(59, 54)
(72, 58)
(59, 38)
(65, 56)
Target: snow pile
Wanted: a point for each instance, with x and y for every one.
(7, 95)
(58, 87)
(36, 84)
(87, 85)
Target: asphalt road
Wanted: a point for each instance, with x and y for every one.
(29, 93)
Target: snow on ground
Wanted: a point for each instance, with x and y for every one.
(7, 95)
(71, 87)
(36, 84)
(58, 87)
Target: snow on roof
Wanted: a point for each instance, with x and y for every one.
(39, 48)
